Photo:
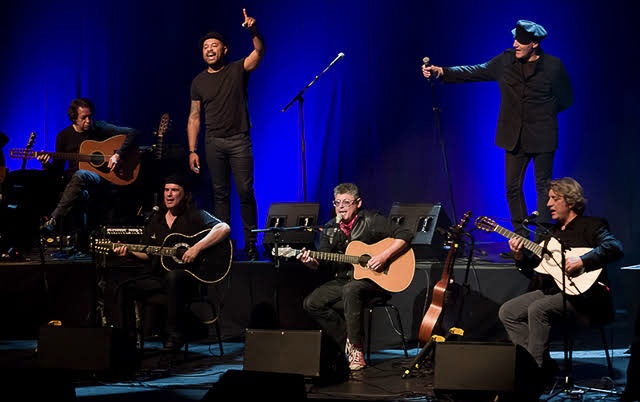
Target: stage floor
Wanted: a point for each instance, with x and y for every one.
(161, 377)
(193, 377)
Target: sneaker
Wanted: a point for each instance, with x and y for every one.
(356, 357)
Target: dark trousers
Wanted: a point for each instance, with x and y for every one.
(516, 163)
(337, 307)
(179, 287)
(227, 156)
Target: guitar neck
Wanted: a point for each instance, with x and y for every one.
(69, 156)
(528, 244)
(335, 257)
(144, 248)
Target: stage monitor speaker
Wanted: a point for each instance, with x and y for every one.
(37, 384)
(307, 352)
(98, 349)
(283, 215)
(483, 367)
(429, 224)
(237, 384)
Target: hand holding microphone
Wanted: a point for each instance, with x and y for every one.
(429, 70)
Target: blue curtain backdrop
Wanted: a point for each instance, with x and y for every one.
(368, 119)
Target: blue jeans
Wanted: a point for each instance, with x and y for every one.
(78, 188)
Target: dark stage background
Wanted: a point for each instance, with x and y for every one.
(368, 119)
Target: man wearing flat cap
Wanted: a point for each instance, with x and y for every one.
(534, 88)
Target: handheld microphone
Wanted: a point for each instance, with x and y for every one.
(425, 61)
(531, 218)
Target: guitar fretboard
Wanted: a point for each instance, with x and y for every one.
(335, 257)
(528, 244)
(142, 248)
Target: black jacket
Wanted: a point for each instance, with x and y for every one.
(582, 232)
(531, 98)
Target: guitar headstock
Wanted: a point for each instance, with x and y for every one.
(162, 129)
(485, 223)
(101, 246)
(464, 220)
(285, 252)
(164, 125)
(22, 153)
(31, 141)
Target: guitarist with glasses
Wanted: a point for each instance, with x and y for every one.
(178, 215)
(337, 305)
(82, 182)
(588, 245)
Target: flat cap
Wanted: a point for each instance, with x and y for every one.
(527, 31)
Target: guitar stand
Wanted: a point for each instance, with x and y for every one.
(428, 348)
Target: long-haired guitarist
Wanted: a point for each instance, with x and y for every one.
(82, 176)
(337, 305)
(178, 216)
(588, 245)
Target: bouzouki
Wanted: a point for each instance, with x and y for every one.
(551, 254)
(395, 277)
(94, 156)
(432, 317)
(211, 266)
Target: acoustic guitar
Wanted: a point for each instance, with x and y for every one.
(395, 277)
(211, 266)
(94, 156)
(433, 316)
(550, 253)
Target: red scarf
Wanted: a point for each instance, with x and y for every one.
(347, 227)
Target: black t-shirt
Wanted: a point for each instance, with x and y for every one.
(191, 222)
(224, 97)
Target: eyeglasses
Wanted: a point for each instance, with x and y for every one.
(346, 203)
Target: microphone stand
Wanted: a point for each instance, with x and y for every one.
(569, 388)
(438, 130)
(299, 98)
(277, 238)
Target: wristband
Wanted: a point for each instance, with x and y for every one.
(193, 152)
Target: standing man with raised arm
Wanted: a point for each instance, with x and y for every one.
(534, 88)
(221, 91)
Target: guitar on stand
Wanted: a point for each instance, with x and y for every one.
(431, 322)
(28, 148)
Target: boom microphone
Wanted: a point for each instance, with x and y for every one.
(531, 218)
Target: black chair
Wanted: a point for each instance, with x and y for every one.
(384, 303)
(204, 311)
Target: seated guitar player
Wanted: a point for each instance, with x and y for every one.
(202, 254)
(95, 153)
(580, 246)
(337, 305)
